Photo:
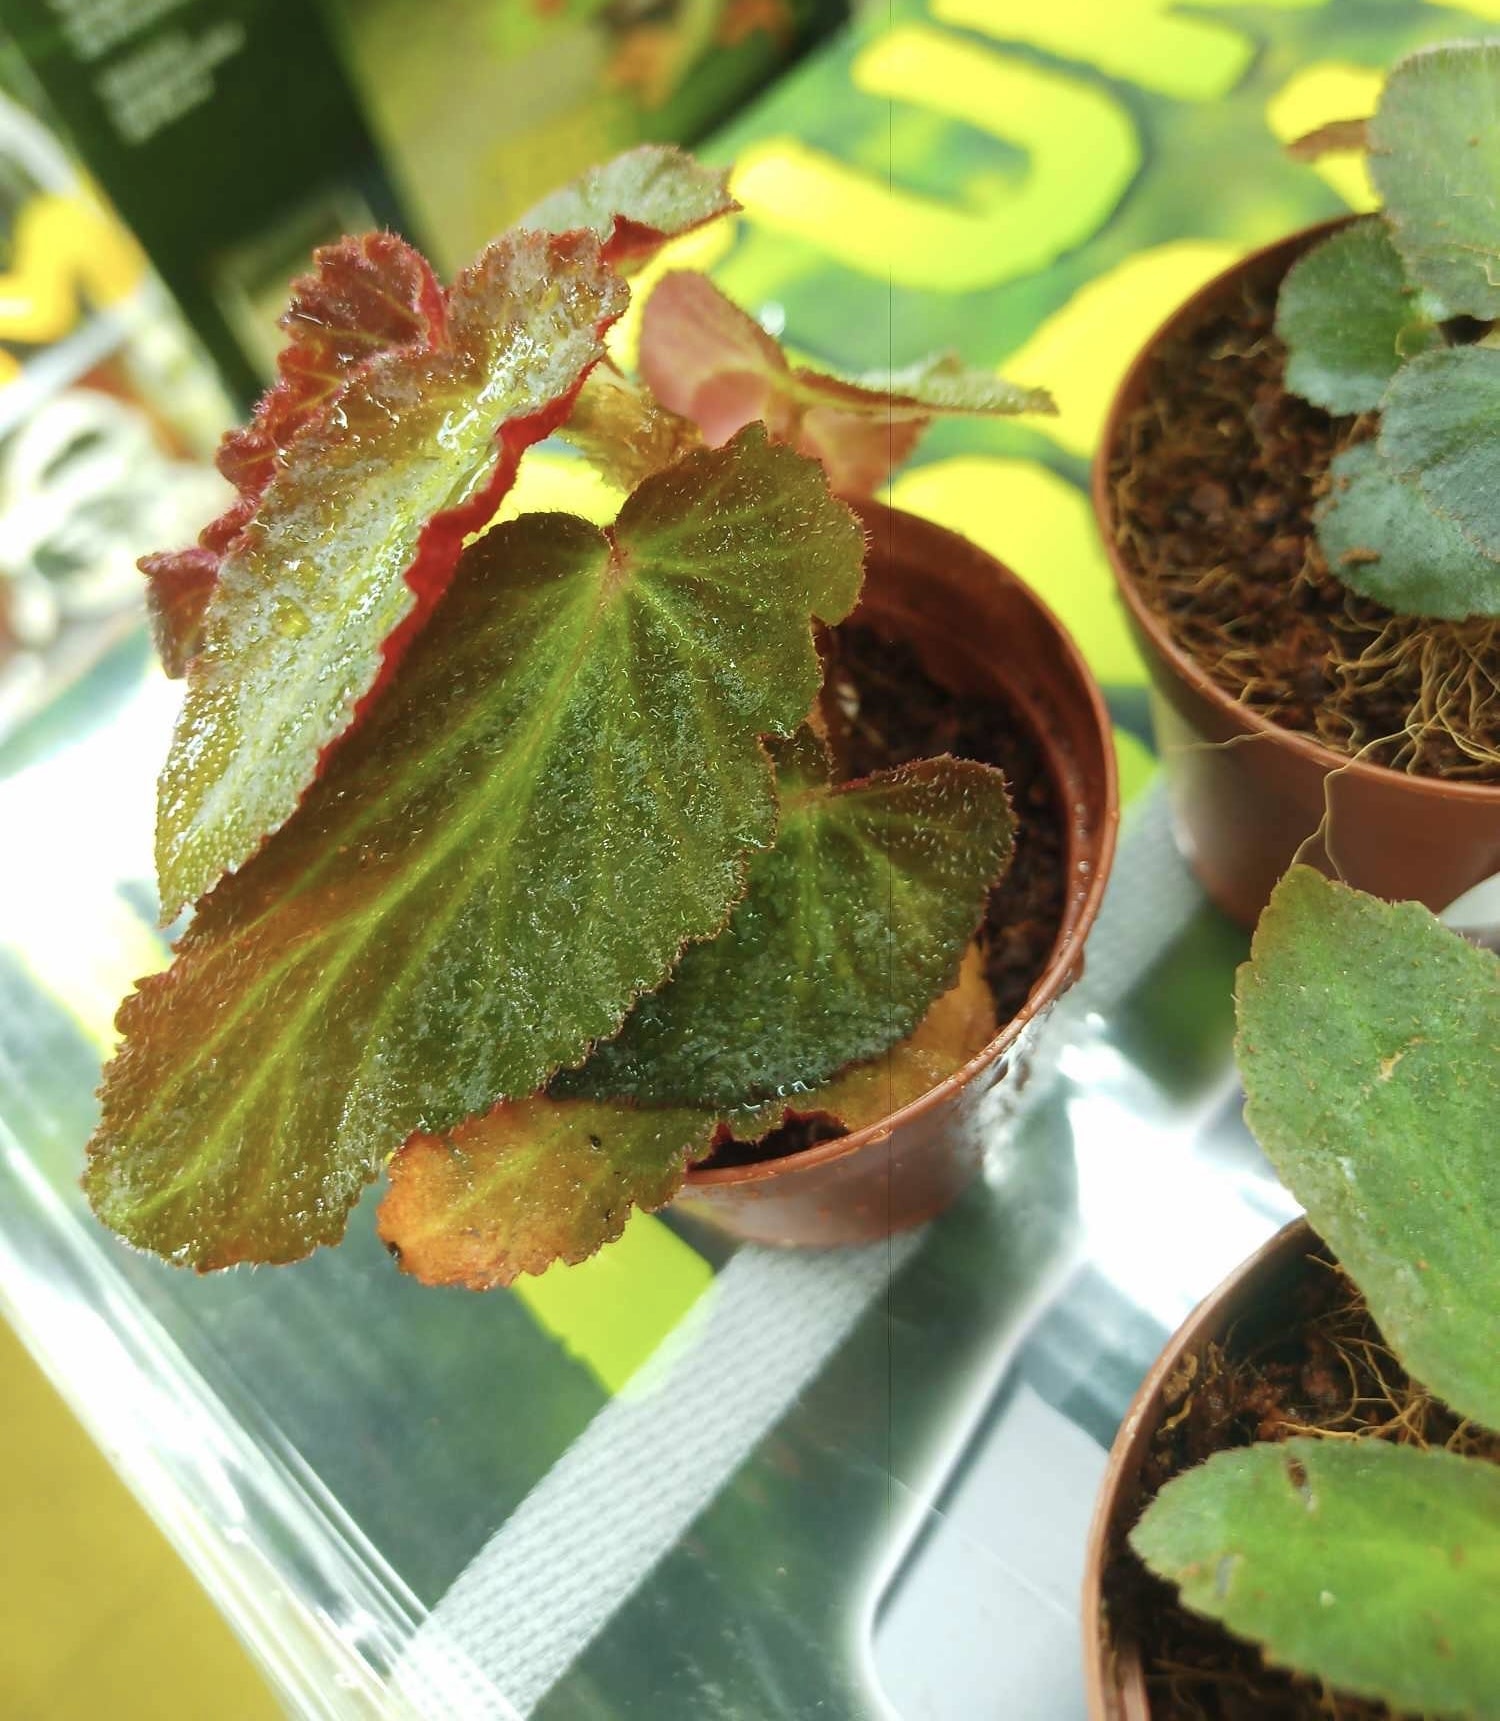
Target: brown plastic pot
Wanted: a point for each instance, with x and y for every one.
(1246, 795)
(978, 631)
(1114, 1680)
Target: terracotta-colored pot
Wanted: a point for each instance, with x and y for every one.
(1114, 1681)
(980, 631)
(1243, 812)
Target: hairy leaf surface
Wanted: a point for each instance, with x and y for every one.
(1369, 1044)
(533, 1182)
(545, 1179)
(1349, 316)
(558, 790)
(365, 296)
(960, 1024)
(704, 358)
(358, 534)
(1383, 540)
(1440, 429)
(849, 929)
(1371, 1566)
(637, 202)
(1434, 163)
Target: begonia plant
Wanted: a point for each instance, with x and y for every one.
(516, 860)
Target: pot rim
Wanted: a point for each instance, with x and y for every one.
(1252, 723)
(1062, 965)
(1136, 1428)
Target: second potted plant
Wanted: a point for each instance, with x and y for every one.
(535, 863)
(1294, 488)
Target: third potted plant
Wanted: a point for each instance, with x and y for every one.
(1301, 1516)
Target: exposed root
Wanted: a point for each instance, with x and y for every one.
(1215, 484)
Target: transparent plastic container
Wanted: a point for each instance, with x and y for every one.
(689, 1479)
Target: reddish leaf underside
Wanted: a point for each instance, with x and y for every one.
(365, 296)
(357, 536)
(706, 359)
(637, 202)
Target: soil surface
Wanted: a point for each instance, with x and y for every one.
(1309, 1361)
(894, 712)
(1215, 482)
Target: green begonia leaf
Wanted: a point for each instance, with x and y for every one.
(1383, 540)
(558, 791)
(1370, 1566)
(356, 537)
(637, 202)
(850, 928)
(533, 1182)
(1434, 162)
(1369, 1043)
(1349, 316)
(1441, 428)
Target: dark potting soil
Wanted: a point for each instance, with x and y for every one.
(892, 713)
(1309, 1361)
(1215, 482)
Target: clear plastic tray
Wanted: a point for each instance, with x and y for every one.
(689, 1479)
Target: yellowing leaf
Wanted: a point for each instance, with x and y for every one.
(535, 1181)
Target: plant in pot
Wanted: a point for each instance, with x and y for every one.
(1319, 1448)
(1296, 486)
(536, 862)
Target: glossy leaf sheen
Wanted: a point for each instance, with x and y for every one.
(1441, 428)
(1434, 162)
(1368, 1038)
(704, 358)
(1348, 316)
(637, 202)
(556, 792)
(849, 929)
(1383, 541)
(358, 534)
(365, 296)
(1371, 1566)
(534, 1182)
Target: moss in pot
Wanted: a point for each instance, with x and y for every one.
(1295, 487)
(520, 862)
(1349, 1528)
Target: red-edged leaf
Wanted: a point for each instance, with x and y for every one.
(365, 296)
(637, 202)
(358, 535)
(559, 790)
(534, 1182)
(704, 358)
